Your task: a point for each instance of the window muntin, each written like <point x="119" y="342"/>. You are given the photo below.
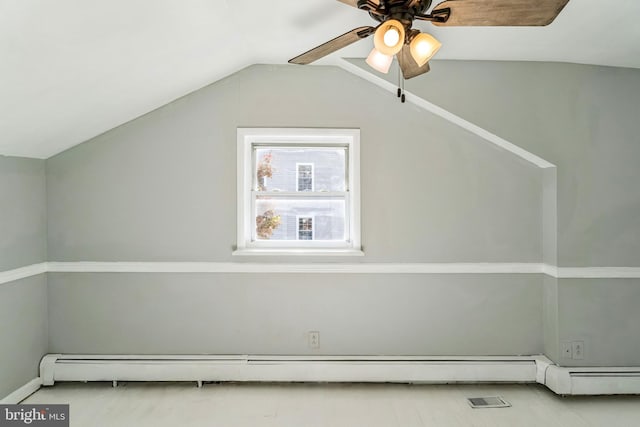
<point x="288" y="174"/>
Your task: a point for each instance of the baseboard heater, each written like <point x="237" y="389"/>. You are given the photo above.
<point x="58" y="367"/>
<point x="593" y="381"/>
<point x="375" y="369"/>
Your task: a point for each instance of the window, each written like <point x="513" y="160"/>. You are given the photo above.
<point x="305" y="227"/>
<point x="298" y="192"/>
<point x="304" y="173"/>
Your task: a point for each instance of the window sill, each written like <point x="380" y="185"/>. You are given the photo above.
<point x="298" y="252"/>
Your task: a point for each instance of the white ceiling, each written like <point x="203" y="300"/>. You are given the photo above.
<point x="72" y="69"/>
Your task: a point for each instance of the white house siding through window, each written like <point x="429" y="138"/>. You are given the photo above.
<point x="319" y="173"/>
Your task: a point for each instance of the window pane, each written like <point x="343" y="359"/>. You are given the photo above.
<point x="305" y="228"/>
<point x="278" y="169"/>
<point x="280" y="219"/>
<point x="305" y="177"/>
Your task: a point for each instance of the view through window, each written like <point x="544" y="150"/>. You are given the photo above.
<point x="300" y="192"/>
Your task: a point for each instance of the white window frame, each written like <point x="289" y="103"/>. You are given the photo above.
<point x="313" y="226"/>
<point x="246" y="139"/>
<point x="313" y="175"/>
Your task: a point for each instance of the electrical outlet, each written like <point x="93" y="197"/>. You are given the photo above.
<point x="314" y="339"/>
<point x="567" y="350"/>
<point x="577" y="348"/>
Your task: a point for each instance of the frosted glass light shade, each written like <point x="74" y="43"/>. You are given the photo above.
<point x="423" y="47"/>
<point x="389" y="37"/>
<point x="379" y="61"/>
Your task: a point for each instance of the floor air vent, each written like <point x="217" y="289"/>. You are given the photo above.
<point x="488" y="402"/>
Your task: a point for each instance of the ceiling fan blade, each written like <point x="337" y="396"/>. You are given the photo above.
<point x="499" y="13"/>
<point x="333" y="45"/>
<point x="408" y="65"/>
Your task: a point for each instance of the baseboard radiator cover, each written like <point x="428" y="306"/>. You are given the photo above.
<point x="593" y="381"/>
<point x="419" y="370"/>
<point x="362" y="369"/>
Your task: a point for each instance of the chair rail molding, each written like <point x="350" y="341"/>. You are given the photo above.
<point x="23" y="272"/>
<point x="321" y="268"/>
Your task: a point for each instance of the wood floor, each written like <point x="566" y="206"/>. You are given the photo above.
<point x="330" y="405"/>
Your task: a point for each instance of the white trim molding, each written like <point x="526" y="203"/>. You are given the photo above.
<point x="252" y="252"/>
<point x="597" y="272"/>
<point x="23" y="392"/>
<point x="23" y="272"/>
<point x="550" y="270"/>
<point x="239" y="267"/>
<point x="439" y="111"/>
<point x="338" y="268"/>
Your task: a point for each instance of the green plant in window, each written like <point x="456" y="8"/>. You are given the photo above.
<point x="264" y="171"/>
<point x="266" y="223"/>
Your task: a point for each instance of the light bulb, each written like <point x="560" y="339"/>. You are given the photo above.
<point x="391" y="37"/>
<point x="423" y="47"/>
<point x="379" y="61"/>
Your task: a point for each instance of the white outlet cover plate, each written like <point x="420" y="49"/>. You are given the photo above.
<point x="577" y="350"/>
<point x="314" y="339"/>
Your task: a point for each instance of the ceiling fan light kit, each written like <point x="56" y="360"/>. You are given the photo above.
<point x="389" y="37"/>
<point x="423" y="47"/>
<point x="414" y="49"/>
<point x="379" y="61"/>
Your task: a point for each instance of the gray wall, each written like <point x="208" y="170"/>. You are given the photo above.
<point x="271" y="314"/>
<point x="23" y="331"/>
<point x="162" y="188"/>
<point x="22" y="212"/>
<point x="550" y="318"/>
<point x="603" y="313"/>
<point x="23" y="303"/>
<point x="584" y="119"/>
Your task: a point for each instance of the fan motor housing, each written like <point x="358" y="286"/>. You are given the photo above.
<point x="401" y="10"/>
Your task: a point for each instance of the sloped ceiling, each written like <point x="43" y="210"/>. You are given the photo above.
<point x="72" y="69"/>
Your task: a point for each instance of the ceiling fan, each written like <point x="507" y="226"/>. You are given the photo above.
<point x="413" y="49"/>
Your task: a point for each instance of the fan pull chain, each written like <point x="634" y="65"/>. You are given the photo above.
<point x="400" y="85"/>
<point x="399" y="77"/>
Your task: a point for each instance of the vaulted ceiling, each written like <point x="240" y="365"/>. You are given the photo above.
<point x="72" y="69"/>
